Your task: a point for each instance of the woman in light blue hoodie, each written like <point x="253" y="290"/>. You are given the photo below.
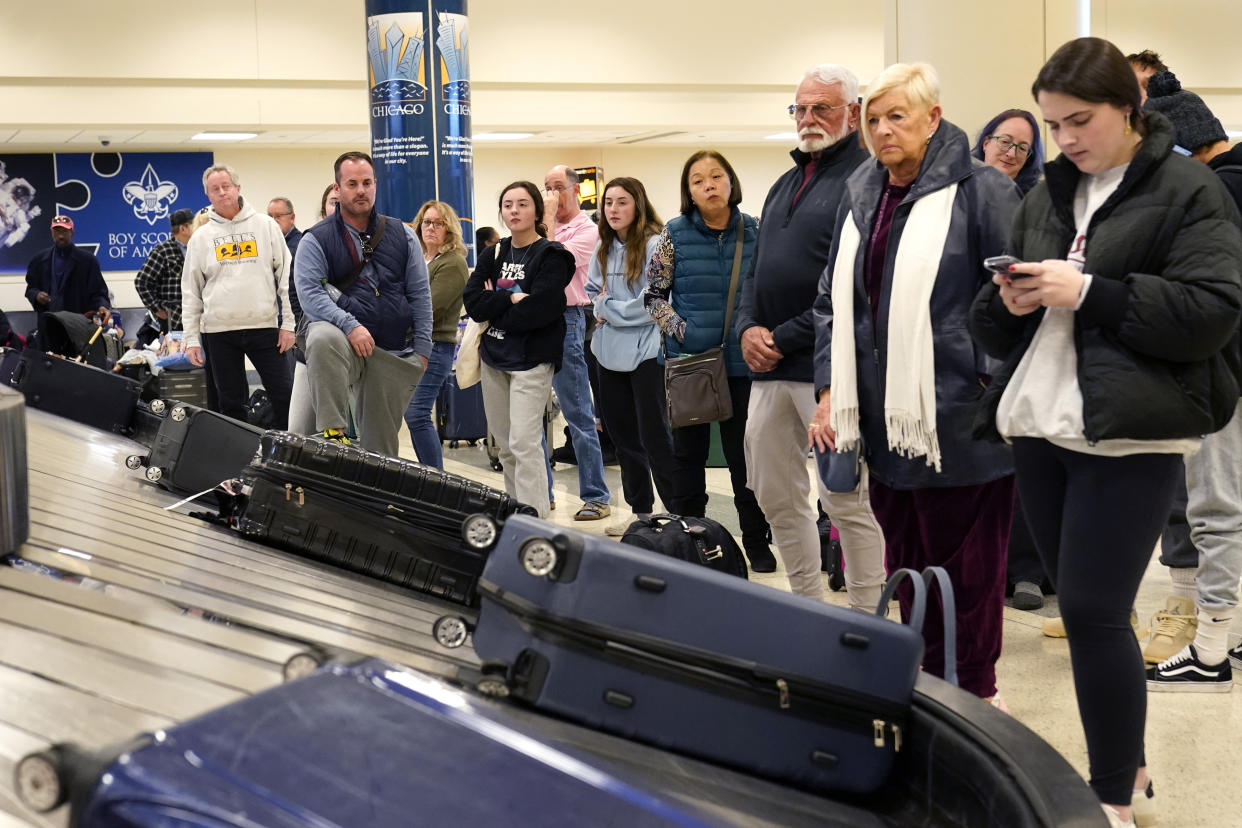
<point x="626" y="343"/>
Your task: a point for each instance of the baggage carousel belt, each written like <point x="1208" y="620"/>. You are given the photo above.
<point x="128" y="618"/>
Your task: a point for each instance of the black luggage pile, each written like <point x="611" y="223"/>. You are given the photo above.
<point x="411" y="525"/>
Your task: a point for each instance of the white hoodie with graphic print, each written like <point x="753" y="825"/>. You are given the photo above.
<point x="236" y="276"/>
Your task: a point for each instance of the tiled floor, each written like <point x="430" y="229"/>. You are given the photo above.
<point x="1194" y="741"/>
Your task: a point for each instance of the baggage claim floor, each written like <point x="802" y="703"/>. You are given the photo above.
<point x="173" y="617"/>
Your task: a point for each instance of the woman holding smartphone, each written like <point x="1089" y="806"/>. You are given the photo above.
<point x="1112" y="329"/>
<point x="518" y="289"/>
<point x="626" y="344"/>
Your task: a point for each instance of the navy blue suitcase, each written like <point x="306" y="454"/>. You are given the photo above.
<point x="459" y="413"/>
<point x="367" y="745"/>
<point x="691" y="659"/>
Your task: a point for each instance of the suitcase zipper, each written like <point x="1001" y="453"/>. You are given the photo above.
<point x="722" y="675"/>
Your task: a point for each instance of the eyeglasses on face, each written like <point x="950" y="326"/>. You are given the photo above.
<point x="1004" y="143"/>
<point x="278" y="215"/>
<point x="434" y="224"/>
<point x="819" y="110"/>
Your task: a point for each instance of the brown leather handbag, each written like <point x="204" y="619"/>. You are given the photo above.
<point x="697" y="386"/>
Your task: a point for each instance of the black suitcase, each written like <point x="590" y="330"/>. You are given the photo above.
<point x="408" y="524"/>
<point x="77" y="391"/>
<point x="186" y="386"/>
<point x="697" y="540"/>
<point x="8" y="362"/>
<point x="691" y="659"/>
<point x="195" y="449"/>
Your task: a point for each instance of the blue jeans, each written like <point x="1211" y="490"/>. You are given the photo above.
<point x="418" y="415"/>
<point x="573" y="390"/>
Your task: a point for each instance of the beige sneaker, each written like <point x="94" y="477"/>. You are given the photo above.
<point x="1055" y="627"/>
<point x="1172" y="628"/>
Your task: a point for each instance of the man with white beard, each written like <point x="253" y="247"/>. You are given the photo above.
<point x="778" y="342"/>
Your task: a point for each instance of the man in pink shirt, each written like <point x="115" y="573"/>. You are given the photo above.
<point x="571" y="227"/>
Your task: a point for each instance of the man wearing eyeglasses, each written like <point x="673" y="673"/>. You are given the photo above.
<point x="235" y="298"/>
<point x="363" y="285"/>
<point x="778" y="341"/>
<point x="65" y="277"/>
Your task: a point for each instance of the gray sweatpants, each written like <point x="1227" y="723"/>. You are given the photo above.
<point x="776" y="466"/>
<point x="382" y="385"/>
<point x="1214" y="512"/>
<point x="514" y="402"/>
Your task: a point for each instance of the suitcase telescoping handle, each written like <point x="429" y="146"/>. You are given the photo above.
<point x="921" y="584"/>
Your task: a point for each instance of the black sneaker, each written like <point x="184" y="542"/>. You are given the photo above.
<point x="761" y="558"/>
<point x="1235" y="657"/>
<point x="1185" y="673"/>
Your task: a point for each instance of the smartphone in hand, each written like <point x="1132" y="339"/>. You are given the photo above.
<point x="1000" y="264"/>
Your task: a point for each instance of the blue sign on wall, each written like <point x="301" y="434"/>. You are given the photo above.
<point x="418" y="64"/>
<point x="119" y="202"/>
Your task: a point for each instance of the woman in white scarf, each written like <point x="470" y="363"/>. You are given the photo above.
<point x="896" y="370"/>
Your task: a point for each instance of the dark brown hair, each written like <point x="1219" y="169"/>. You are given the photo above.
<point x="735" y="186"/>
<point x="350" y="156"/>
<point x="1148" y="60"/>
<point x="646" y="224"/>
<point x="1093" y="70"/>
<point x="535" y="196"/>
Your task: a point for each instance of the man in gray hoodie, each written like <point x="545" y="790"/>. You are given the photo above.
<point x="235" y="298"/>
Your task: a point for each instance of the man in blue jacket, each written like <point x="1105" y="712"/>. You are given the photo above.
<point x="363" y="284"/>
<point x="777" y="336"/>
<point x="66" y="277"/>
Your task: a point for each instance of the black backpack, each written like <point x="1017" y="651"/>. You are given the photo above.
<point x="697" y="540"/>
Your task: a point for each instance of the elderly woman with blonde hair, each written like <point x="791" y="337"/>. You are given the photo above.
<point x="897" y="375"/>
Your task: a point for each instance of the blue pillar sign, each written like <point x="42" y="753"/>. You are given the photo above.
<point x="419" y="74"/>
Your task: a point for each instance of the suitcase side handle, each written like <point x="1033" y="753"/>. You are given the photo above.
<point x="920" y="595"/>
<point x="20" y="370"/>
<point x="949" y="610"/>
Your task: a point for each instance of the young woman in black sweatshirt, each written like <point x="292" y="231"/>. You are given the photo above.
<point x="518" y="289"/>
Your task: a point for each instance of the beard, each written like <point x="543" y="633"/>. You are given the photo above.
<point x="813" y="139"/>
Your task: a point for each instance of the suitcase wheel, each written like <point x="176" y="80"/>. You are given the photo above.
<point x="158" y="407"/>
<point x="494" y="682"/>
<point x="538" y="557"/>
<point x="154" y="473"/>
<point x="450" y="631"/>
<point x="479" y="532"/>
<point x="178" y="413"/>
<point x="497" y="466"/>
<point x="302" y="664"/>
<point x="39" y="781"/>
<point x="452" y="444"/>
<point x="135" y="462"/>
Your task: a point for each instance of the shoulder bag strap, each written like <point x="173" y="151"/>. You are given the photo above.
<point x="737" y="269"/>
<point x="375" y="240"/>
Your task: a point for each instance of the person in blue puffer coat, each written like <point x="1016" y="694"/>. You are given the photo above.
<point x="626" y="344"/>
<point x="687" y="295"/>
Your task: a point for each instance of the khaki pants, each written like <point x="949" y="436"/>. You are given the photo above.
<point x="776" y="463"/>
<point x="514" y="402"/>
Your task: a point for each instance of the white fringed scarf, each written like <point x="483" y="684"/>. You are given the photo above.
<point x="910" y="378"/>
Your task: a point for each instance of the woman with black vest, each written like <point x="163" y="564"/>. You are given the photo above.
<point x="1112" y="329"/>
<point x="687" y="294"/>
<point x="518" y="289"/>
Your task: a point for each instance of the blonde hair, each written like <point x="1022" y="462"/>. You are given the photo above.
<point x="918" y="81"/>
<point x="201" y="218"/>
<point x="453" y="242"/>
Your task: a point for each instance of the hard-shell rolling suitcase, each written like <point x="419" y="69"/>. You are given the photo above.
<point x="365" y="745"/>
<point x="195" y="449"/>
<point x="459" y="413"/>
<point x="408" y="524"/>
<point x="77" y="391"/>
<point x="692" y="659"/>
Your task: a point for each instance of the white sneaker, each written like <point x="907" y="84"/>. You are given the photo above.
<point x="1143" y="806"/>
<point x="1115" y="821"/>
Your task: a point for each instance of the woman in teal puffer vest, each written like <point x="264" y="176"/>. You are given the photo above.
<point x="687" y="295"/>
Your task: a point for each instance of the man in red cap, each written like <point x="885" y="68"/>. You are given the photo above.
<point x="65" y="277"/>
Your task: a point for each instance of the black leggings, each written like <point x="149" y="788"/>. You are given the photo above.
<point x="1095" y="521"/>
<point x="632" y="406"/>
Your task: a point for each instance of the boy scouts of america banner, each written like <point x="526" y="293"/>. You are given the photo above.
<point x="119" y="202"/>
<point x="419" y="74"/>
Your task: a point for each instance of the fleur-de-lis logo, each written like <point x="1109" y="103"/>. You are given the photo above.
<point x="150" y="197"/>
